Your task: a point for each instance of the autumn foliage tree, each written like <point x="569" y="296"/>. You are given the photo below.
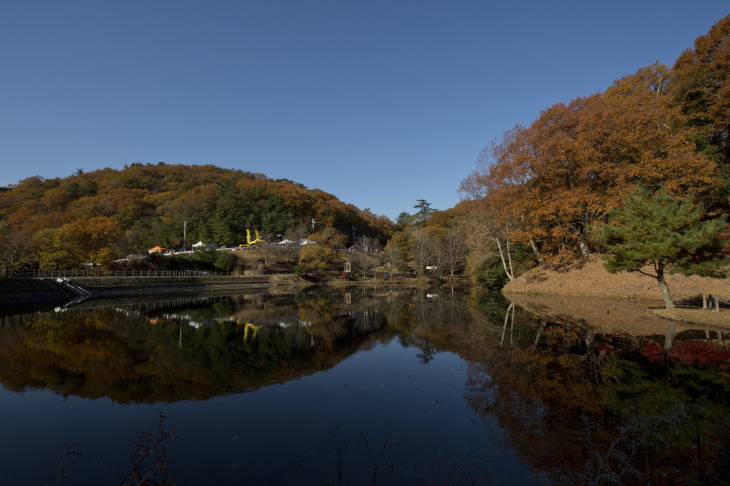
<point x="320" y="250"/>
<point x="578" y="161"/>
<point x="14" y="249"/>
<point x="546" y="185"/>
<point x="88" y="240"/>
<point x="701" y="85"/>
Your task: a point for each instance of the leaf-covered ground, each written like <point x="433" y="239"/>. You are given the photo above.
<point x="590" y="279"/>
<point x="587" y="291"/>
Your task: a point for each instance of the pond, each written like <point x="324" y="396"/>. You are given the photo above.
<point x="354" y="386"/>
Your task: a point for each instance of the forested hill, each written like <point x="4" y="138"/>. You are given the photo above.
<point x="109" y="213"/>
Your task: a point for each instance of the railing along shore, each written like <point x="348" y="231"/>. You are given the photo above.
<point x="98" y="273"/>
<point x="80" y="273"/>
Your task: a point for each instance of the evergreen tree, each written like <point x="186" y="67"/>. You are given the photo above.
<point x="402" y="221"/>
<point x="424" y="211"/>
<point x="660" y="231"/>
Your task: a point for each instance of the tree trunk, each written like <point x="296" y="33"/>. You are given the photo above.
<point x="509" y="259"/>
<point x="668" y="302"/>
<point x="510" y="309"/>
<point x="669" y="339"/>
<point x="585" y="250"/>
<point x="591" y="354"/>
<point x="535" y="249"/>
<point x="543" y="325"/>
<point x="507" y="270"/>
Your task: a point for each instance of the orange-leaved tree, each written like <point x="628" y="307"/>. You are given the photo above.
<point x="552" y="181"/>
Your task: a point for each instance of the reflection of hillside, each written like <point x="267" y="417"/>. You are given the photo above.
<point x="198" y="347"/>
<point x="143" y="353"/>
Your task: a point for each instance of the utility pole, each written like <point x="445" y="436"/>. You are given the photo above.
<point x="185" y="234"/>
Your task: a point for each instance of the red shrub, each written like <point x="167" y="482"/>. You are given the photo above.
<point x="689" y="353"/>
<point x="652" y="352"/>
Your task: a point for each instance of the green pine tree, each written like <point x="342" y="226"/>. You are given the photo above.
<point x="660" y="231"/>
<point x="424" y="211"/>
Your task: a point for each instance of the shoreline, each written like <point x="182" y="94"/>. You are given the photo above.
<point x="20" y="292"/>
<point x="17" y="292"/>
<point x="589" y="278"/>
<point x="589" y="281"/>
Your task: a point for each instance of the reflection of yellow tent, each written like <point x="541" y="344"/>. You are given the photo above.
<point x="247" y="326"/>
<point x="157" y="248"/>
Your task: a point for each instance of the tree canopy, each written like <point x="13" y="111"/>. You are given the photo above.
<point x="548" y="184"/>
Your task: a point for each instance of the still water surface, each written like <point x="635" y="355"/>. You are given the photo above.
<point x="348" y="387"/>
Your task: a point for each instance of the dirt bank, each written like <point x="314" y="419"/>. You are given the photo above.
<point x="616" y="302"/>
<point x="590" y="279"/>
<point x="631" y="317"/>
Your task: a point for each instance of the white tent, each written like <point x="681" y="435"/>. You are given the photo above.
<point x="202" y="246"/>
<point x="285" y="242"/>
<point x="308" y="242"/>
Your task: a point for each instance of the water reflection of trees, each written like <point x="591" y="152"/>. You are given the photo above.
<point x="589" y="408"/>
<point x="445" y="320"/>
<point x="146" y="353"/>
<point x="196" y="348"/>
<point x="537" y="399"/>
<point x="568" y="399"/>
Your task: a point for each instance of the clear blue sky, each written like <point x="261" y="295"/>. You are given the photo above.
<point x="379" y="102"/>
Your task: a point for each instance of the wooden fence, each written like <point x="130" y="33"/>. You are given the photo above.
<point x="78" y="273"/>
